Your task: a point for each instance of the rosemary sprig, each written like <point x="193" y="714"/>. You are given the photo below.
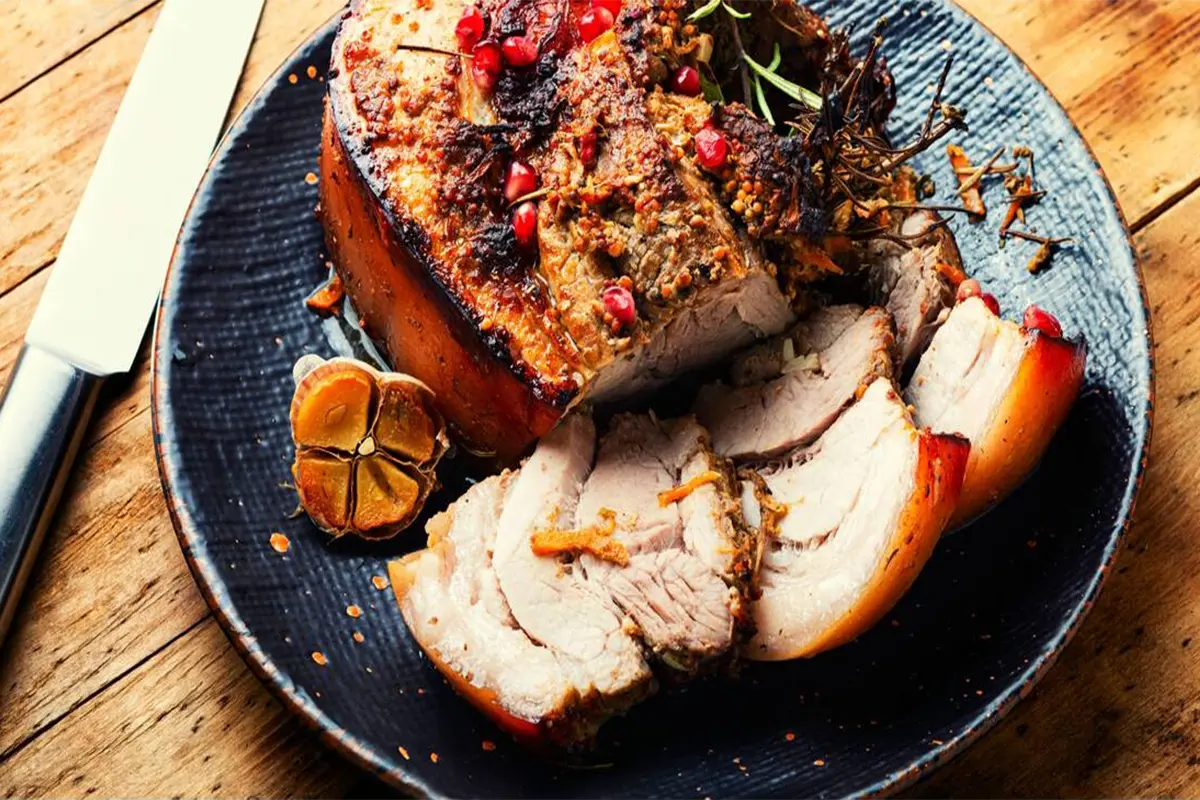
<point x="776" y="59"/>
<point x="792" y="90"/>
<point x="735" y="13"/>
<point x="704" y="10"/>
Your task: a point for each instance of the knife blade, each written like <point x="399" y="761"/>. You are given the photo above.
<point x="103" y="286"/>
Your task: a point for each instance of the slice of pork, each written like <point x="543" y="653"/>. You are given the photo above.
<point x="549" y="598"/>
<point x="1003" y="387"/>
<point x="916" y="283"/>
<point x="825" y="363"/>
<point x="684" y="581"/>
<point x="452" y="603"/>
<point x="861" y="511"/>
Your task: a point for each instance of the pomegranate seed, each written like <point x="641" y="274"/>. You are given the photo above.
<point x="485" y="65"/>
<point x="991" y="302"/>
<point x="524" y="222"/>
<point x="520" y="181"/>
<point x="968" y="289"/>
<point x="611" y="6"/>
<point x="588" y="149"/>
<point x="618" y="301"/>
<point x="1041" y="320"/>
<point x="595" y="22"/>
<point x="711" y="148"/>
<point x="469" y="29"/>
<point x="686" y="80"/>
<point x="519" y="51"/>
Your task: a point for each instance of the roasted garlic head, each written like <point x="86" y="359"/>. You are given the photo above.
<point x="367" y="444"/>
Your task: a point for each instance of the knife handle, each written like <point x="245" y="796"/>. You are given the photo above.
<point x="43" y="413"/>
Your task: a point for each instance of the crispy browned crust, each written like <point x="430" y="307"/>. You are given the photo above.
<point x="1037" y="402"/>
<point x="421" y="327"/>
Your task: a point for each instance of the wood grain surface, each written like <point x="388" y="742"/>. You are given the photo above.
<point x="117" y="680"/>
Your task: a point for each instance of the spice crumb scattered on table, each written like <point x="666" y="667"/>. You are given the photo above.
<point x="353" y="611"/>
<point x="433" y="757"/>
<point x="404" y="753"/>
<point x="311" y="178"/>
<point x="820" y="762"/>
<point x="319" y="658"/>
<point x="311" y="71"/>
<point x="279" y="542"/>
<point x="358" y="637"/>
<point x="488" y="745"/>
<point x="379" y="582"/>
<point x="292" y="78"/>
<point x="791" y="737"/>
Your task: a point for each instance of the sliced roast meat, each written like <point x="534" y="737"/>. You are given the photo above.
<point x="917" y="282"/>
<point x="1004" y="387"/>
<point x="858" y="515"/>
<point x="816" y="370"/>
<point x="511" y="332"/>
<point x="452" y="603"/>
<point x="548" y="598"/>
<point x="673" y="510"/>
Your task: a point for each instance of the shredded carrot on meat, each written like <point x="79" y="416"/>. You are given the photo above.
<point x="594" y="539"/>
<point x="679" y="492"/>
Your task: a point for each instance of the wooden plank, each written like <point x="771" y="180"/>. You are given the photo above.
<point x="194" y="724"/>
<point x="1118" y="716"/>
<point x="1126" y="74"/>
<point x="112" y="548"/>
<point x="39" y="35"/>
<point x="51" y="132"/>
<point x="112" y="587"/>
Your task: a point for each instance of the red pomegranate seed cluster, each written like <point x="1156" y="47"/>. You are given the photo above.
<point x="519" y="51"/>
<point x="686" y="80"/>
<point x="588" y="149"/>
<point x="485" y="65"/>
<point x="469" y="29"/>
<point x="594" y="22"/>
<point x="1041" y="320"/>
<point x="711" y="148"/>
<point x="524" y="222"/>
<point x="618" y="301"/>
<point x="519" y="181"/>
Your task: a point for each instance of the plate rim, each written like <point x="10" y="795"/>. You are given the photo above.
<point x="366" y="756"/>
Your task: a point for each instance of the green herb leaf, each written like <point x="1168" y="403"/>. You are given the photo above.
<point x="762" y="102"/>
<point x="709" y="88"/>
<point x="704" y="10"/>
<point x="792" y="90"/>
<point x="776" y="58"/>
<point x="735" y="14"/>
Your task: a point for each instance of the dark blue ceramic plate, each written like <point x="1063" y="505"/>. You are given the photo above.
<point x="986" y="618"/>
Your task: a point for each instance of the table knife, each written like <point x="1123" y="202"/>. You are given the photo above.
<point x="103" y="286"/>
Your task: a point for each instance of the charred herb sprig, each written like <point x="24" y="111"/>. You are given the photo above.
<point x="851" y="155"/>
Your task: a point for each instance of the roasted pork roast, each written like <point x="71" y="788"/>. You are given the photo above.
<point x="786" y="392"/>
<point x="851" y="520"/>
<point x="1005" y="387"/>
<point x="633" y="270"/>
<point x="589" y="571"/>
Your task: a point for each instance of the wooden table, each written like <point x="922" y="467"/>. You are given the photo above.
<point x="116" y="679"/>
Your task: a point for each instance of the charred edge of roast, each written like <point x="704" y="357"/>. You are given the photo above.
<point x="390" y="245"/>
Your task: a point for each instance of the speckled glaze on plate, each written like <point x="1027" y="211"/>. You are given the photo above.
<point x="987" y="617"/>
